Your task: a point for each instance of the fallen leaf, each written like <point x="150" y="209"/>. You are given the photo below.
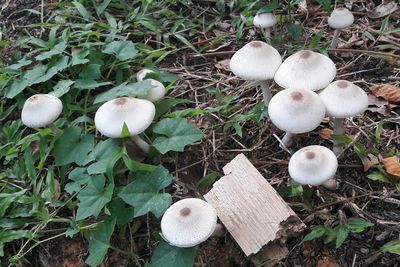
<point x="272" y="254"/>
<point x="376" y="101"/>
<point x="387" y="91"/>
<point x="369" y="161"/>
<point x="392" y="165"/>
<point x="326" y="134"/>
<point x="327" y="262"/>
<point x="383" y="10"/>
<point x="223" y="64"/>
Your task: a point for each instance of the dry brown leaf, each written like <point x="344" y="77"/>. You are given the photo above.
<point x="327" y="262"/>
<point x="369" y="161"/>
<point x="383" y="10"/>
<point x="326" y="133"/>
<point x="392" y="165"/>
<point x="387" y="91"/>
<point x="273" y="253"/>
<point x="223" y="64"/>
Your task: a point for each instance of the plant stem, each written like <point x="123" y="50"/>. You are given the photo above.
<point x="338" y="129"/>
<point x="143" y="145"/>
<point x="287" y="139"/>
<point x="335" y="38"/>
<point x="266" y="92"/>
<point x="267" y="34"/>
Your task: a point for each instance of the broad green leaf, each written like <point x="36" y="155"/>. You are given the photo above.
<point x="6" y="199"/>
<point x="143" y="192"/>
<point x="90" y="72"/>
<point x="124" y="214"/>
<point x="94" y="197"/>
<point x="61" y="64"/>
<point x="80" y="58"/>
<point x="125" y="89"/>
<point x="122" y="50"/>
<point x="166" y="255"/>
<point x="326" y="4"/>
<point x="79" y="177"/>
<point x="89" y="84"/>
<point x="103" y="6"/>
<point x="82" y="10"/>
<point x="341" y="235"/>
<point x="166" y="104"/>
<point x="392" y="247"/>
<point x="72" y="147"/>
<point x="357" y="225"/>
<point x="15" y="68"/>
<point x="56" y="50"/>
<point x="137" y="166"/>
<point x="11" y="235"/>
<point x="27" y="79"/>
<point x="99" y="242"/>
<point x="316" y="232"/>
<point x="316" y="39"/>
<point x="61" y="88"/>
<point x="379" y="176"/>
<point x="270" y="7"/>
<point x="102" y="154"/>
<point x="207" y="180"/>
<point x="177" y="133"/>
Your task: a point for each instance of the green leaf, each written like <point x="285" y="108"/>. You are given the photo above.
<point x="316" y="39"/>
<point x="61" y="88"/>
<point x="94" y="197"/>
<point x="123" y="213"/>
<point x="166" y="255"/>
<point x="82" y="10"/>
<point x="341" y="235"/>
<point x="72" y="147"/>
<point x="89" y="84"/>
<point x="326" y="4"/>
<point x="79" y="177"/>
<point x="185" y="41"/>
<point x="122" y="50"/>
<point x="6" y="199"/>
<point x="27" y="79"/>
<point x="357" y="225"/>
<point x="102" y="154"/>
<point x="80" y="58"/>
<point x="90" y="72"/>
<point x="7" y="236"/>
<point x="166" y="104"/>
<point x="392" y="247"/>
<point x="269" y="8"/>
<point x="99" y="242"/>
<point x="379" y="176"/>
<point x="143" y="192"/>
<point x="56" y="50"/>
<point x="316" y="232"/>
<point x="207" y="180"/>
<point x="137" y="89"/>
<point x="177" y="133"/>
<point x="137" y="166"/>
<point x="295" y="31"/>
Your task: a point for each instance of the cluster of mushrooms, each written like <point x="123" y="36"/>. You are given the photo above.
<point x="42" y="110"/>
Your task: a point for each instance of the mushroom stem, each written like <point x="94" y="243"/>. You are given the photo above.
<point x="266" y="92"/>
<point x="219" y="230"/>
<point x="338" y="129"/>
<point x="54" y="128"/>
<point x="143" y="145"/>
<point x="331" y="184"/>
<point x="287" y="139"/>
<point x="335" y="38"/>
<point x="267" y="34"/>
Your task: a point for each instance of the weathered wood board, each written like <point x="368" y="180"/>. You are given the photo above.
<point x="250" y="208"/>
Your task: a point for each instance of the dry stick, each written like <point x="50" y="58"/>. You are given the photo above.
<point x="347" y="199"/>
<point x="347" y="50"/>
<point x="335" y="38"/>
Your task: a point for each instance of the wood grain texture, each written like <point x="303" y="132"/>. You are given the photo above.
<point x="250" y="208"/>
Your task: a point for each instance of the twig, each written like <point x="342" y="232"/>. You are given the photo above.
<point x="347" y="50"/>
<point x="213" y="54"/>
<point x="347" y="199"/>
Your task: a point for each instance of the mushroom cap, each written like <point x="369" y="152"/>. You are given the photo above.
<point x="296" y="110"/>
<point x="157" y="92"/>
<point x="306" y="70"/>
<point x="137" y="114"/>
<point x="313" y="165"/>
<point x="142" y="74"/>
<point x="41" y="110"/>
<point x="264" y="20"/>
<point x="255" y="61"/>
<point x="344" y="99"/>
<point x="340" y="18"/>
<point x="188" y="222"/>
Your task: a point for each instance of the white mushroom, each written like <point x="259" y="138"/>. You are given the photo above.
<point x="257" y="61"/>
<point x="188" y="222"/>
<point x="142" y="74"/>
<point x="306" y="70"/>
<point x="314" y="165"/>
<point x="157" y="92"/>
<point x="137" y="114"/>
<point x="340" y="18"/>
<point x="343" y="99"/>
<point x="296" y="111"/>
<point x="41" y="110"/>
<point x="265" y="21"/>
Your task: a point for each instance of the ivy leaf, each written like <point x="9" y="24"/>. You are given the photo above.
<point x="79" y="177"/>
<point x="124" y="214"/>
<point x="56" y="50"/>
<point x="11" y="235"/>
<point x="62" y="87"/>
<point x="316" y="232"/>
<point x="25" y="80"/>
<point x="122" y="50"/>
<point x="99" y="242"/>
<point x="143" y="193"/>
<point x="102" y="154"/>
<point x="72" y="147"/>
<point x="166" y="255"/>
<point x="90" y="72"/>
<point x="392" y="247"/>
<point x="80" y="58"/>
<point x="94" y="197"/>
<point x="125" y="89"/>
<point x="177" y="133"/>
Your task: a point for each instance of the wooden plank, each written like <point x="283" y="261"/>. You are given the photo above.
<point x="250" y="208"/>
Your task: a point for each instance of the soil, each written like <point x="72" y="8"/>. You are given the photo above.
<point x="357" y="196"/>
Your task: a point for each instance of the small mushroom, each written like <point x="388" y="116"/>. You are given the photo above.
<point x="265" y="21"/>
<point x="314" y="165"/>
<point x="339" y="19"/>
<point x="189" y="222"/>
<point x="343" y="99"/>
<point x="157" y="92"/>
<point x="137" y="114"/>
<point x="257" y="61"/>
<point x="296" y="111"/>
<point x="306" y="70"/>
<point x="41" y="110"/>
<point x="142" y="74"/>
